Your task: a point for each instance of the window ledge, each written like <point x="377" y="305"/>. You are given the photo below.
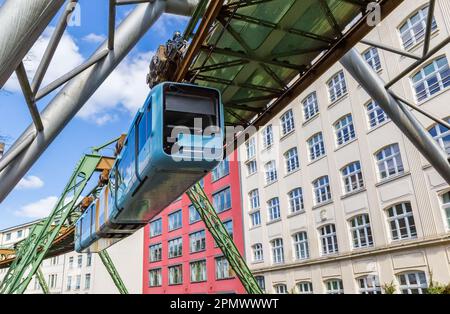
<point x="322" y="204"/>
<point x="271" y="183"/>
<point x="273" y="221"/>
<point x="296" y="213"/>
<point x="337" y="101"/>
<point x="252" y="174"/>
<point x="254" y="210"/>
<point x="346" y="144"/>
<point x="352" y="193"/>
<point x="316" y="160"/>
<point x="394" y="178"/>
<point x="267" y="148"/>
<point x="287" y="135"/>
<point x="250" y="159"/>
<point x="257" y="262"/>
<point x="292" y="172"/>
<point x="254" y="228"/>
<point x="378" y="126"/>
<point x="312" y="118"/>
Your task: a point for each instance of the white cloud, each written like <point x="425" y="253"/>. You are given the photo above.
<point x="167" y="23"/>
<point x="30" y="182"/>
<point x="94" y="38"/>
<point x="38" y="209"/>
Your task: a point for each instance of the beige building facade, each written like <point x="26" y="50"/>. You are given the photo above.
<point x="336" y="198"/>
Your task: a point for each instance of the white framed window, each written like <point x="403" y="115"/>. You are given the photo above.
<point x="445" y="201"/>
<point x="322" y="190"/>
<point x="267" y="136"/>
<point x="328" y="238"/>
<point x="198" y="271"/>
<point x="77" y="282"/>
<point x="287" y="122"/>
<point x="175" y="220"/>
<point x="352" y="177"/>
<point x="194" y="216"/>
<point x="273" y="207"/>
<point x="176" y="275"/>
<point x="431" y="79"/>
<point x="291" y="159"/>
<point x="277" y="251"/>
<point x="280" y="289"/>
<point x="361" y="231"/>
<point x="223" y="269"/>
<point x="316" y="146"/>
<point x="271" y="172"/>
<point x="255" y="218"/>
<point x="260" y="280"/>
<point x="253" y="196"/>
<point x="413" y="282"/>
<point x="296" y="203"/>
<point x="156" y="227"/>
<point x="250" y="147"/>
<point x="412" y="31"/>
<point x="197" y="241"/>
<point x="258" y="254"/>
<point x="310" y="106"/>
<point x="337" y="87"/>
<point x="389" y="161"/>
<point x="375" y="114"/>
<point x="175" y="247"/>
<point x="345" y="131"/>
<point x="372" y="58"/>
<point x="401" y="221"/>
<point x="441" y="135"/>
<point x="334" y="286"/>
<point x="156" y="252"/>
<point x="154" y="277"/>
<point x="68" y="283"/>
<point x="301" y="247"/>
<point x="252" y="167"/>
<point x="305" y="287"/>
<point x="369" y="284"/>
<point x="87" y="281"/>
<point x="221" y="170"/>
<point x="222" y="200"/>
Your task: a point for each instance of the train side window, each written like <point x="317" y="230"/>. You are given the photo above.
<point x="142" y="131"/>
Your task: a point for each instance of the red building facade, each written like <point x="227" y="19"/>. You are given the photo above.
<point x="180" y="255"/>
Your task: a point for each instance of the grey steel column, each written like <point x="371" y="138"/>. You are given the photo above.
<point x="74" y="95"/>
<point x="399" y="114"/>
<point x="21" y="24"/>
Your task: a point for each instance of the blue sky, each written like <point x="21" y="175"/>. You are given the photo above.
<point x="104" y="117"/>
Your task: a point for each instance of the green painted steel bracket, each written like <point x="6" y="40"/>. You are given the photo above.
<point x="220" y="234"/>
<point x="33" y="250"/>
<point x="42" y="283"/>
<point x="106" y="259"/>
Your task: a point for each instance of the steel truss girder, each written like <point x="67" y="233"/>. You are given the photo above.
<point x="223" y="239"/>
<point x="64" y="106"/>
<point x="33" y="250"/>
<point x="112" y="271"/>
<point x="41" y="279"/>
<point x="242" y="85"/>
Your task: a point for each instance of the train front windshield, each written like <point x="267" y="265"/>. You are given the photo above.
<point x="191" y="107"/>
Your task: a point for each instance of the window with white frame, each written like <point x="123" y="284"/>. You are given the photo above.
<point x="334" y="286"/>
<point x="87" y="281"/>
<point x="328" y="238"/>
<point x="291" y="159"/>
<point x="431" y="79"/>
<point x="369" y="285"/>
<point x="277" y="251"/>
<point x="78" y="282"/>
<point x="345" y="131"/>
<point x="337" y="87"/>
<point x="301" y="248"/>
<point x="352" y="177"/>
<point x="305" y="287"/>
<point x="198" y="271"/>
<point x="175" y="220"/>
<point x="316" y="146"/>
<point x="267" y="136"/>
<point x="375" y="114"/>
<point x="255" y="218"/>
<point x="175" y="275"/>
<point x="413" y="282"/>
<point x="280" y="289"/>
<point x="221" y="170"/>
<point x="155" y="277"/>
<point x="296" y="203"/>
<point x="389" y="161"/>
<point x="156" y="252"/>
<point x="287" y="122"/>
<point x="445" y="200"/>
<point x="222" y="200"/>
<point x="372" y="58"/>
<point x="252" y="167"/>
<point x="197" y="241"/>
<point x="175" y="247"/>
<point x="271" y="172"/>
<point x="401" y="221"/>
<point x="441" y="135"/>
<point x="250" y="147"/>
<point x="361" y="231"/>
<point x="223" y="269"/>
<point x="253" y="196"/>
<point x="322" y="190"/>
<point x="273" y="207"/>
<point x="412" y="31"/>
<point x="260" y="280"/>
<point x="156" y="227"/>
<point x="310" y="106"/>
<point x="194" y="216"/>
<point x="258" y="254"/>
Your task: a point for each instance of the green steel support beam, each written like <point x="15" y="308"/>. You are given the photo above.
<point x="33" y="250"/>
<point x="106" y="259"/>
<point x="40" y="277"/>
<point x="220" y="234"/>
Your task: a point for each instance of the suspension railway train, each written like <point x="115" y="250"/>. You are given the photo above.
<point x="157" y="163"/>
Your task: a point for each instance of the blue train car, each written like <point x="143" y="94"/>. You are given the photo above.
<point x="175" y="139"/>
